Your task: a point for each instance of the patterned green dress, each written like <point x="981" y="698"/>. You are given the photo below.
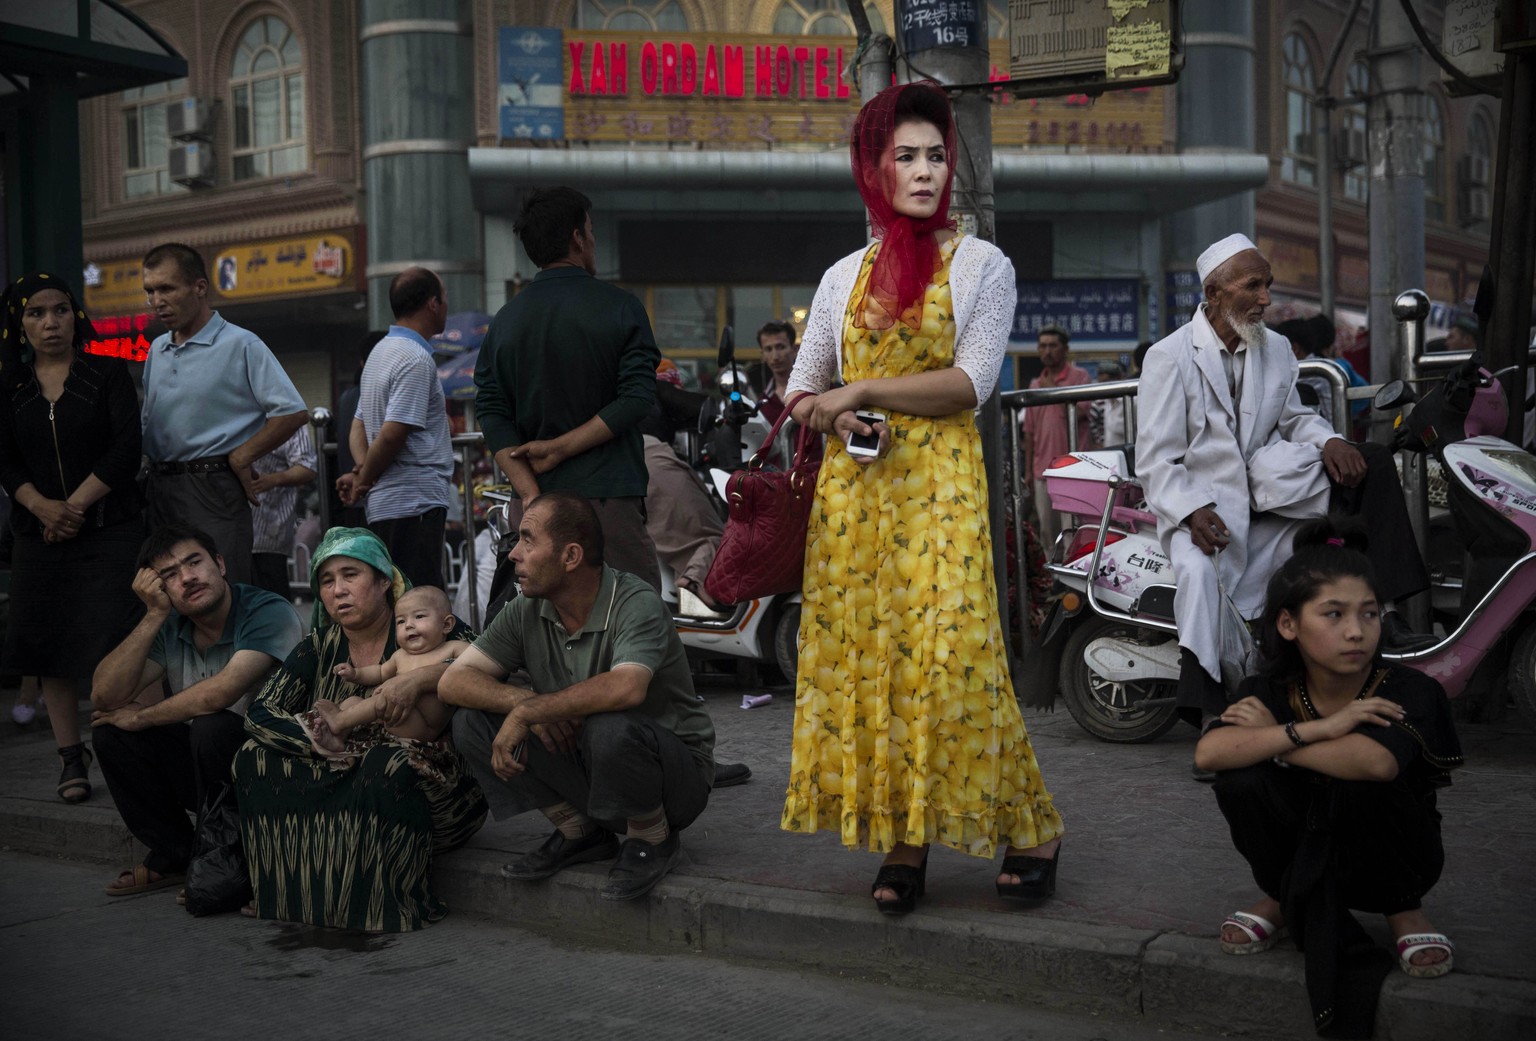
<point x="346" y="842"/>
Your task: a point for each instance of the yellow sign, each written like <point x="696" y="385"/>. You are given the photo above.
<point x="1112" y="39"/>
<point x="280" y="267"/>
<point x="115" y="287"/>
<point x="728" y="91"/>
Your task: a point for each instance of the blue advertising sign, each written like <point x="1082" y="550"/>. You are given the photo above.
<point x="529" y="88"/>
<point x="1100" y="311"/>
<point x="926" y="24"/>
<point x="1184" y="296"/>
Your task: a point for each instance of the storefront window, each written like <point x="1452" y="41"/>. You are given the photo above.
<point x="684" y="317"/>
<point x="821" y="18"/>
<point x="1357" y="183"/>
<point x="1299" y="162"/>
<point x="145" y="143"/>
<point x="639" y="15"/>
<point x="267" y="93"/>
<point x="1434" y="159"/>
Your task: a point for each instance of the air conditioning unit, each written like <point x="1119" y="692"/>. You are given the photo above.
<point x="1476" y="205"/>
<point x="1475" y="171"/>
<point x="1304" y="144"/>
<point x="189" y="117"/>
<point x="191" y="162"/>
<point x="1349" y="148"/>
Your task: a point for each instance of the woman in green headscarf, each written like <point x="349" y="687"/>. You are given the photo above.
<point x="348" y="843"/>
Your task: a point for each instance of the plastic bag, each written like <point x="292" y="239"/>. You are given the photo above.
<point x="217" y="879"/>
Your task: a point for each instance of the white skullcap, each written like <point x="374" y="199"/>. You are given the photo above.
<point x="1221" y="252"/>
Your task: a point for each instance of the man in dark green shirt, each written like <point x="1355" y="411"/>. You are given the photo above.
<point x="611" y="738"/>
<point x="565" y="375"/>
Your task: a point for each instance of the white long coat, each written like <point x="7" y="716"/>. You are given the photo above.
<point x="1259" y="464"/>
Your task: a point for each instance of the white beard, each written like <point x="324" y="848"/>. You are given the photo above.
<point x="1251" y="333"/>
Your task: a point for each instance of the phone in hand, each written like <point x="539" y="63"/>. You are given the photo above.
<point x="866" y="445"/>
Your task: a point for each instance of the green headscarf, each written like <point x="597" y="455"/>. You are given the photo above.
<point x="359" y="544"/>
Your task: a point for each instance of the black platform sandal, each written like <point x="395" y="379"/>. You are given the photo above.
<point x="75" y="780"/>
<point x="906" y="881"/>
<point x="1037" y="879"/>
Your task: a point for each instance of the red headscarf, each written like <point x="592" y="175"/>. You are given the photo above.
<point x="909" y="253"/>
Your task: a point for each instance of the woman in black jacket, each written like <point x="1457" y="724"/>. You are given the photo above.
<point x="69" y="455"/>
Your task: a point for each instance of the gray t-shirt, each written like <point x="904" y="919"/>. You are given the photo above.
<point x="400" y="385"/>
<point x="629" y="625"/>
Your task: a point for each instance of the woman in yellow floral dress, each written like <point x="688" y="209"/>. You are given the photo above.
<point x="907" y="731"/>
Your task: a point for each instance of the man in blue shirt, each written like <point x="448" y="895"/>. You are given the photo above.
<point x="215" y="400"/>
<point x="211" y="644"/>
<point x="400" y="437"/>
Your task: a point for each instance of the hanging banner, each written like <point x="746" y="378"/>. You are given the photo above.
<point x="529" y="84"/>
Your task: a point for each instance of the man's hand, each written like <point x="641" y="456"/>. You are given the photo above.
<point x="1207" y="530"/>
<point x="1344" y="462"/>
<point x="1249" y="712"/>
<point x="264" y="483"/>
<point x="349" y="489"/>
<point x="151" y="589"/>
<point x="129" y="717"/>
<point x="397" y="697"/>
<point x="560" y="736"/>
<point x="246" y="475"/>
<point x="541" y="456"/>
<point x="507" y="752"/>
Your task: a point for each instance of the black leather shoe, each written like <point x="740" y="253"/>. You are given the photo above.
<point x="1037" y="879"/>
<point x="1397" y="638"/>
<point x="728" y="775"/>
<point x="1202" y="775"/>
<point x="559" y="852"/>
<point x="641" y="865"/>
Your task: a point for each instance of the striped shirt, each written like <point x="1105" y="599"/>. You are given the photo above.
<point x="273" y="517"/>
<point x="400" y="385"/>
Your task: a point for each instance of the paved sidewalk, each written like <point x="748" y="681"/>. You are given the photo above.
<point x="1147" y="874"/>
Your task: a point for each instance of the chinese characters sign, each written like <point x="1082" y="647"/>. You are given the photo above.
<point x="926" y="24"/>
<point x="1092" y="310"/>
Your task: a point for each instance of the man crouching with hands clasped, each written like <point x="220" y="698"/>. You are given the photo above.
<point x="612" y="738"/>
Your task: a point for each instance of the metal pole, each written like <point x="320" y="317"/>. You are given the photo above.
<point x="1410" y="309"/>
<point x="1325" y="206"/>
<point x="1514" y="219"/>
<point x="320" y="420"/>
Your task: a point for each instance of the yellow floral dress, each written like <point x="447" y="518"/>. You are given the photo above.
<point x="906" y="727"/>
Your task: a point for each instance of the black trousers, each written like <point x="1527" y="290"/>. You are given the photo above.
<point x="158" y="776"/>
<point x="624" y="766"/>
<point x="415" y="545"/>
<point x="1378" y="500"/>
<point x="269" y="571"/>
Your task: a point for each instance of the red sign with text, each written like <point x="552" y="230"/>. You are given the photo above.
<point x="124" y="336"/>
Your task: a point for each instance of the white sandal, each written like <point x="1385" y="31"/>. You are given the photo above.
<point x="1413" y="943"/>
<point x="1261" y="932"/>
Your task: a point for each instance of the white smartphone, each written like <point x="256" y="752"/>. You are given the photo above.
<point x="867" y="445"/>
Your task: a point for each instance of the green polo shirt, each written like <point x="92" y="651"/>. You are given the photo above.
<point x="629" y="625"/>
<point x="258" y="621"/>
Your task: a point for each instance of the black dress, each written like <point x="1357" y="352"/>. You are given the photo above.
<point x="1322" y="846"/>
<point x="72" y="601"/>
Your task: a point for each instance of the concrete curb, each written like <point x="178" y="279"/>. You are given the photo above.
<point x="1165" y="980"/>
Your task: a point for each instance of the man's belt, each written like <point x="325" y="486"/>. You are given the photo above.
<point x="211" y="464"/>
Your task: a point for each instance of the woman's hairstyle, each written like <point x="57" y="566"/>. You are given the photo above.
<point x="546" y="221"/>
<point x="15" y="351"/>
<point x="1326" y="550"/>
<point x="909" y="253"/>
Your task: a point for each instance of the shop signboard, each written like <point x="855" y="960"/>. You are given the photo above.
<point x="738" y="90"/>
<point x="285" y="267"/>
<point x="1097" y="312"/>
<point x="1106" y="41"/>
<point x="114" y="287"/>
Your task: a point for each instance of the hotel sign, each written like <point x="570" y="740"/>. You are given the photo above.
<point x="733" y="91"/>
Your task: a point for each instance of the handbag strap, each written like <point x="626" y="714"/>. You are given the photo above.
<point x="758" y="456"/>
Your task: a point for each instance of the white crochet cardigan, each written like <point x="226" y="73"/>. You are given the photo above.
<point x="982" y="291"/>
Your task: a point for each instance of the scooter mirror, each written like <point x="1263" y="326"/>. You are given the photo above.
<point x="1393" y="394"/>
<point x="727" y="353"/>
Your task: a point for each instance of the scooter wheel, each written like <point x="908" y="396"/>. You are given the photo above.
<point x="1521" y="675"/>
<point x="1107" y="709"/>
<point x="786" y="641"/>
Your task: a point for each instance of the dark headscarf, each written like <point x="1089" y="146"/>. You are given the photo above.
<point x="908" y="255"/>
<point x="15" y="351"/>
<point x="359" y="544"/>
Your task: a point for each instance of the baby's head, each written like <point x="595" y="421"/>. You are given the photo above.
<point x="423" y="619"/>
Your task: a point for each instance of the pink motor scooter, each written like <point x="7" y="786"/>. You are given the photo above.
<point x="1120" y="662"/>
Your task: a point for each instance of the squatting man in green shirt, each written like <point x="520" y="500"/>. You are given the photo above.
<point x="611" y="739"/>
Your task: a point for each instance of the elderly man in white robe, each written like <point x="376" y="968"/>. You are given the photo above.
<point x="1232" y="463"/>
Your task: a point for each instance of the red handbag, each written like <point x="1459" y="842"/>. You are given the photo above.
<point x="762" y="552"/>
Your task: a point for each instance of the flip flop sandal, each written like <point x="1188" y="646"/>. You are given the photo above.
<point x="140" y="881"/>
<point x="1413" y="943"/>
<point x="249" y="911"/>
<point x="181" y="897"/>
<point x="75" y="779"/>
<point x="1261" y="932"/>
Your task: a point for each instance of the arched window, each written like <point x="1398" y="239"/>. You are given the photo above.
<point x="1357" y="182"/>
<point x="266" y="86"/>
<point x="1434" y="159"/>
<point x="821" y="18"/>
<point x="997" y="21"/>
<point x="145" y="142"/>
<point x="642" y="15"/>
<point x="1299" y="161"/>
